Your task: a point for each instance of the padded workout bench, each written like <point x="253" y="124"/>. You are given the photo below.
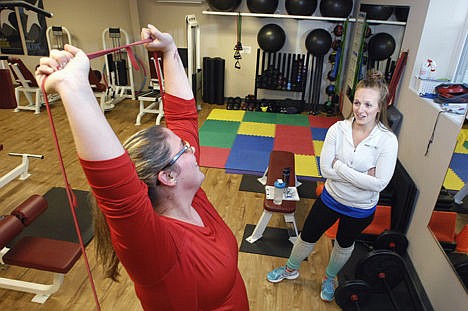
<point x="39" y="253"/>
<point x="155" y="106"/>
<point x="278" y="161"/>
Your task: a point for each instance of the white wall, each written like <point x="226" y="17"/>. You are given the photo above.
<point x="443" y="36"/>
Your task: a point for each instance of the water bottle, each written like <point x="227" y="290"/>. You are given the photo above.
<point x="278" y="192"/>
<point x="286" y="172"/>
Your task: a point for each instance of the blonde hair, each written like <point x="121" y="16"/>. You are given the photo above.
<point x="375" y="80"/>
<point x="150" y="153"/>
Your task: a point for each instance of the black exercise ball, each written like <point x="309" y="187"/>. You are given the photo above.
<point x="318" y="42"/>
<point x="262" y="6"/>
<point x="381" y="46"/>
<point x="377" y="12"/>
<point x="301" y="7"/>
<point x="401" y="13"/>
<point x="224" y="5"/>
<point x="271" y="38"/>
<point x="336" y="8"/>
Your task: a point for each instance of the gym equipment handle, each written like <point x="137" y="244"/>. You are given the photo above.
<point x="39" y="156"/>
<point x="26" y="5"/>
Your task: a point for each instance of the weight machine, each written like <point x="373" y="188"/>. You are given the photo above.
<point x="119" y="75"/>
<point x="57" y="37"/>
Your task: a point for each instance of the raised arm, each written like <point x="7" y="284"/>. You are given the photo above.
<point x="179" y="105"/>
<point x="175" y="78"/>
<point x="67" y="73"/>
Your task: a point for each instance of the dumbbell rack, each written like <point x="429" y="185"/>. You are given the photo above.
<point x="281" y="72"/>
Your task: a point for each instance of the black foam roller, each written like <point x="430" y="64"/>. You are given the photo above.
<point x="218" y="80"/>
<point x="205" y="79"/>
<point x="210" y="87"/>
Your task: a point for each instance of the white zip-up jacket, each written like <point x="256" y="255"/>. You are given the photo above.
<point x="347" y="179"/>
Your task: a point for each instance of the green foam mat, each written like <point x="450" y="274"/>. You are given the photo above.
<point x="221" y="134"/>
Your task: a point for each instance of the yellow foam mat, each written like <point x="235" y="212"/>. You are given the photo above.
<point x="461" y="139"/>
<point x="452" y="181"/>
<point x="226" y="115"/>
<point x="257" y="129"/>
<point x="306" y="165"/>
<point x="318" y="144"/>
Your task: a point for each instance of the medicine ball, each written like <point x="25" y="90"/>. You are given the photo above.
<point x="318" y="42"/>
<point x="262" y="6"/>
<point x="330" y="90"/>
<point x="338" y="30"/>
<point x="381" y="46"/>
<point x="331" y="75"/>
<point x="377" y="12"/>
<point x="336" y="8"/>
<point x="271" y="38"/>
<point x="223" y="5"/>
<point x="301" y="7"/>
<point x="401" y="13"/>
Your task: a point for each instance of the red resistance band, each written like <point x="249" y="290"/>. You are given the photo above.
<point x="70" y="194"/>
<point x="401" y="63"/>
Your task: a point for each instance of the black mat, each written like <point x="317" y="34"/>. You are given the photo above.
<point x="57" y="220"/>
<point x="250" y="183"/>
<point x="274" y="242"/>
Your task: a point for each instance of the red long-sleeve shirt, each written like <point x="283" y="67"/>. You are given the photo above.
<point x="174" y="265"/>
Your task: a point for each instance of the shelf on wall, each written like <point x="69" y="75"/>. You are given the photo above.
<point x="317" y="18"/>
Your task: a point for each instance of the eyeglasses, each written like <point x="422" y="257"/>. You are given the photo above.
<point x="178" y="155"/>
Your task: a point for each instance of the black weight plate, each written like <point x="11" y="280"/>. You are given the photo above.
<point x="392" y="240"/>
<point x="351" y="292"/>
<point x="381" y="261"/>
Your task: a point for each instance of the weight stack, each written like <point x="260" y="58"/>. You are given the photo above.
<point x="7" y="95"/>
<point x="213" y="80"/>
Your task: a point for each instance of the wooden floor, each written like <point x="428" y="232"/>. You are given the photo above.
<point x="25" y="132"/>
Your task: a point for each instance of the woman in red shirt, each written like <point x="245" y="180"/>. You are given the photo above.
<point x="174" y="245"/>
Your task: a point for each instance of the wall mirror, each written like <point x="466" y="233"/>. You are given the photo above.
<point x="449" y="221"/>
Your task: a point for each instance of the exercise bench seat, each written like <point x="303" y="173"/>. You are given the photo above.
<point x="278" y="161"/>
<point x="45" y="254"/>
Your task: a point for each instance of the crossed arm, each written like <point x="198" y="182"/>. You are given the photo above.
<point x="374" y="179"/>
